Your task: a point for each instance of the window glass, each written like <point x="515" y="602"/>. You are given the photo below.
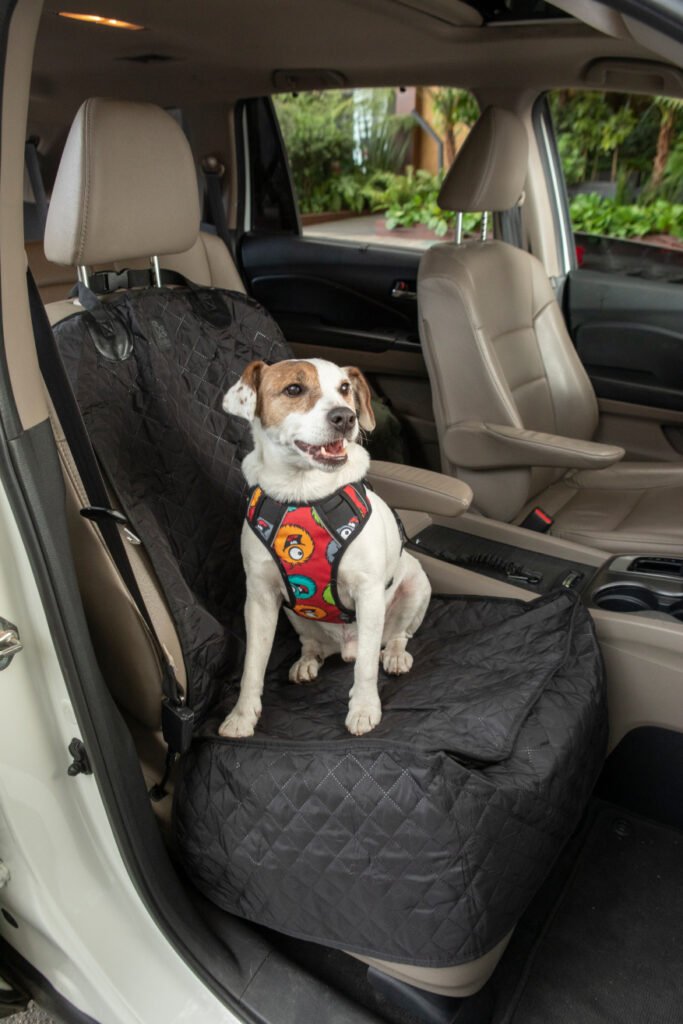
<point x="367" y="164"/>
<point x="622" y="157"/>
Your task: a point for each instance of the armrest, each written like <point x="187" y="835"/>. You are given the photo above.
<point x="476" y="445"/>
<point x="419" y="490"/>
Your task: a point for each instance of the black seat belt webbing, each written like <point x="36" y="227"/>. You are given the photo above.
<point x="176" y="718"/>
<point x="36" y="179"/>
<point x="213" y="172"/>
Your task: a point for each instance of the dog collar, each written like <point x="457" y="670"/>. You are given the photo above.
<point x="307" y="543"/>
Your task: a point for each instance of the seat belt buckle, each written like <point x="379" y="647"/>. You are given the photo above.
<point x="177" y="725"/>
<point x="98" y="514"/>
<point x="538" y="521"/>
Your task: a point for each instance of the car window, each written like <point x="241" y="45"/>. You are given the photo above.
<point x="622" y="157"/>
<point x="367" y="164"/>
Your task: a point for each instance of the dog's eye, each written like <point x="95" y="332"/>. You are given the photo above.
<point x="293" y="390"/>
<point x="345" y="388"/>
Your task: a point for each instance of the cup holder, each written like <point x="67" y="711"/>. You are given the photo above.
<point x="630" y="597"/>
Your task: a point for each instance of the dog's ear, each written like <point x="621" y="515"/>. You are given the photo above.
<point x="362" y="397"/>
<point x="242" y="398"/>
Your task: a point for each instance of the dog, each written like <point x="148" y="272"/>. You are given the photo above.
<point x="309" y="507"/>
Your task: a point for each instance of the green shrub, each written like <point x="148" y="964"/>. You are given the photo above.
<point x="597" y="215"/>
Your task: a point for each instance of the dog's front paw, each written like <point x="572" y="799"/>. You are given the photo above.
<point x="363" y="718"/>
<point x="240" y="723"/>
<point x="396" y="661"/>
<point x="305" y="670"/>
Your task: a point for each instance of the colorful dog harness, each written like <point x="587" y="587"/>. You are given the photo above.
<point x="307" y="542"/>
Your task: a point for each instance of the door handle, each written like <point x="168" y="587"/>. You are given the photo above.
<point x="403" y="290"/>
<point x="10" y="642"/>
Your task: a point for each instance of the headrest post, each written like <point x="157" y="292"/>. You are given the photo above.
<point x="156" y="270"/>
<point x="484" y="225"/>
<point x="458" y="229"/>
<point x="83" y="276"/>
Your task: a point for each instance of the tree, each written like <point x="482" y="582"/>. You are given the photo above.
<point x="669" y="109"/>
<point x="452" y="107"/>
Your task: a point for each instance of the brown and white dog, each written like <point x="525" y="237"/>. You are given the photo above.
<point x="306" y="418"/>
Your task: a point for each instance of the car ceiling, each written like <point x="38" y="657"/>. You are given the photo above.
<point x="219" y="50"/>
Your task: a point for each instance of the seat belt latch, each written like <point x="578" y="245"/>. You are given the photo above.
<point x="177" y="724"/>
<point x="538" y="521"/>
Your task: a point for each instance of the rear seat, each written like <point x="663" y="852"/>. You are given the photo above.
<point x="127" y="207"/>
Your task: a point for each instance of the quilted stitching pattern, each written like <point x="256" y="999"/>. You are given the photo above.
<point x="173" y="456"/>
<point x="421" y="843"/>
<point x="406" y="849"/>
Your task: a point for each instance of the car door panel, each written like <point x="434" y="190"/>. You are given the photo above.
<point x="629" y="335"/>
<point x="644" y="431"/>
<point x="337" y="286"/>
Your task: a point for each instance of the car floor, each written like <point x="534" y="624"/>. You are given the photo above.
<point x="601" y="943"/>
<point x="612" y="947"/>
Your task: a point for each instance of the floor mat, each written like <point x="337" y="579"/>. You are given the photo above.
<point x="613" y="948"/>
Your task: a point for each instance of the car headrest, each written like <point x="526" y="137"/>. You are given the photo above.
<point x="126" y="187"/>
<point x="489" y="171"/>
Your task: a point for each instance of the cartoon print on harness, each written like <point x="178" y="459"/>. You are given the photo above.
<point x="333" y="552"/>
<point x="308" y="534"/>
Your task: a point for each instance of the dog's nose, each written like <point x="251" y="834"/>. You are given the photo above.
<point x="342" y="418"/>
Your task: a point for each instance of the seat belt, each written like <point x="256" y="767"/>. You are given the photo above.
<point x="176" y="718"/>
<point x="36" y="179"/>
<point x="213" y="171"/>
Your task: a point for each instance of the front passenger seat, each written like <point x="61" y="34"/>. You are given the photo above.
<point x="514" y="408"/>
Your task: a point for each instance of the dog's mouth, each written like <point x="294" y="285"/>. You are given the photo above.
<point x="331" y="454"/>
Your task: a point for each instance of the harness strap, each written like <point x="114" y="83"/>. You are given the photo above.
<point x="342" y="514"/>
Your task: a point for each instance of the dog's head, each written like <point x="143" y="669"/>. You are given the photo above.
<point x="310" y="408"/>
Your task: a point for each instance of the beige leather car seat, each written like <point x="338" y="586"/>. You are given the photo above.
<point x="107" y="201"/>
<point x="514" y="408"/>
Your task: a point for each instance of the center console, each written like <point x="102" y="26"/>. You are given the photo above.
<point x="499" y="560"/>
<point x="640" y="583"/>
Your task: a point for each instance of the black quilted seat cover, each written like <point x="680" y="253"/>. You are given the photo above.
<point x="172" y="455"/>
<point x="420" y="843"/>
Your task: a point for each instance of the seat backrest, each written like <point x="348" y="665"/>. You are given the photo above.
<point x="112" y="207"/>
<point x="494" y="339"/>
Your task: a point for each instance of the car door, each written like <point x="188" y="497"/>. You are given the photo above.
<point x="343" y="289"/>
<point x="623" y="297"/>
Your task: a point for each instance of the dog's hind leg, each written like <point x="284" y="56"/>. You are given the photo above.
<point x="404" y="618"/>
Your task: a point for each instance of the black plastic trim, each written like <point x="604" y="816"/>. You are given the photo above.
<point x="620" y="390"/>
<point x="643" y="773"/>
